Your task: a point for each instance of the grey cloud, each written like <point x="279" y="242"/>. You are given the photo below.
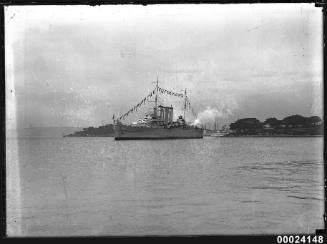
<point x="84" y="72"/>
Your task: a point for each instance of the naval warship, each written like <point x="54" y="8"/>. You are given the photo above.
<point x="158" y="124"/>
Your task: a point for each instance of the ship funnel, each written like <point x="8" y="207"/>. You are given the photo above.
<point x="171" y="115"/>
<point x="166" y="114"/>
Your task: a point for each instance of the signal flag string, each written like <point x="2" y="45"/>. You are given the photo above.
<point x="163" y="91"/>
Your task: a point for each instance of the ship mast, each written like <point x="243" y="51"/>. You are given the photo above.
<point x="216" y="124"/>
<point x="184" y="104"/>
<point x="156" y="100"/>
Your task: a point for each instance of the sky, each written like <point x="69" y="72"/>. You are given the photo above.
<point x="79" y="65"/>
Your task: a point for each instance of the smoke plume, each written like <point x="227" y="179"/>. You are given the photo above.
<point x="208" y="115"/>
<point x="223" y="111"/>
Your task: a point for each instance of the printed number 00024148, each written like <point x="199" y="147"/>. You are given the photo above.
<point x="300" y="239"/>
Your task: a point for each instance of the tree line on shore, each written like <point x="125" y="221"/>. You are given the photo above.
<point x="290" y="125"/>
<point x="104" y="130"/>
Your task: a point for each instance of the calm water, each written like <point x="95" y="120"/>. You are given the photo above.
<point x="98" y="186"/>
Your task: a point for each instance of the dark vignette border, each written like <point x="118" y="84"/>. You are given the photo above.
<point x="224" y="238"/>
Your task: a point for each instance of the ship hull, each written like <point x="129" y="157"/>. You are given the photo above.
<point x="123" y="132"/>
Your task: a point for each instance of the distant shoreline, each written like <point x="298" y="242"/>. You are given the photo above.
<point x="273" y="136"/>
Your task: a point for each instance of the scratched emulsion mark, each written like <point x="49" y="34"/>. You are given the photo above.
<point x="13" y="193"/>
<point x="13" y="188"/>
<point x="13" y="185"/>
<point x="67" y="220"/>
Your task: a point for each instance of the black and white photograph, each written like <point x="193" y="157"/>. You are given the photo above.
<point x="164" y="120"/>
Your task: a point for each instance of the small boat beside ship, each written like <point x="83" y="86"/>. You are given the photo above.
<point x="217" y="132"/>
<point x="159" y="123"/>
